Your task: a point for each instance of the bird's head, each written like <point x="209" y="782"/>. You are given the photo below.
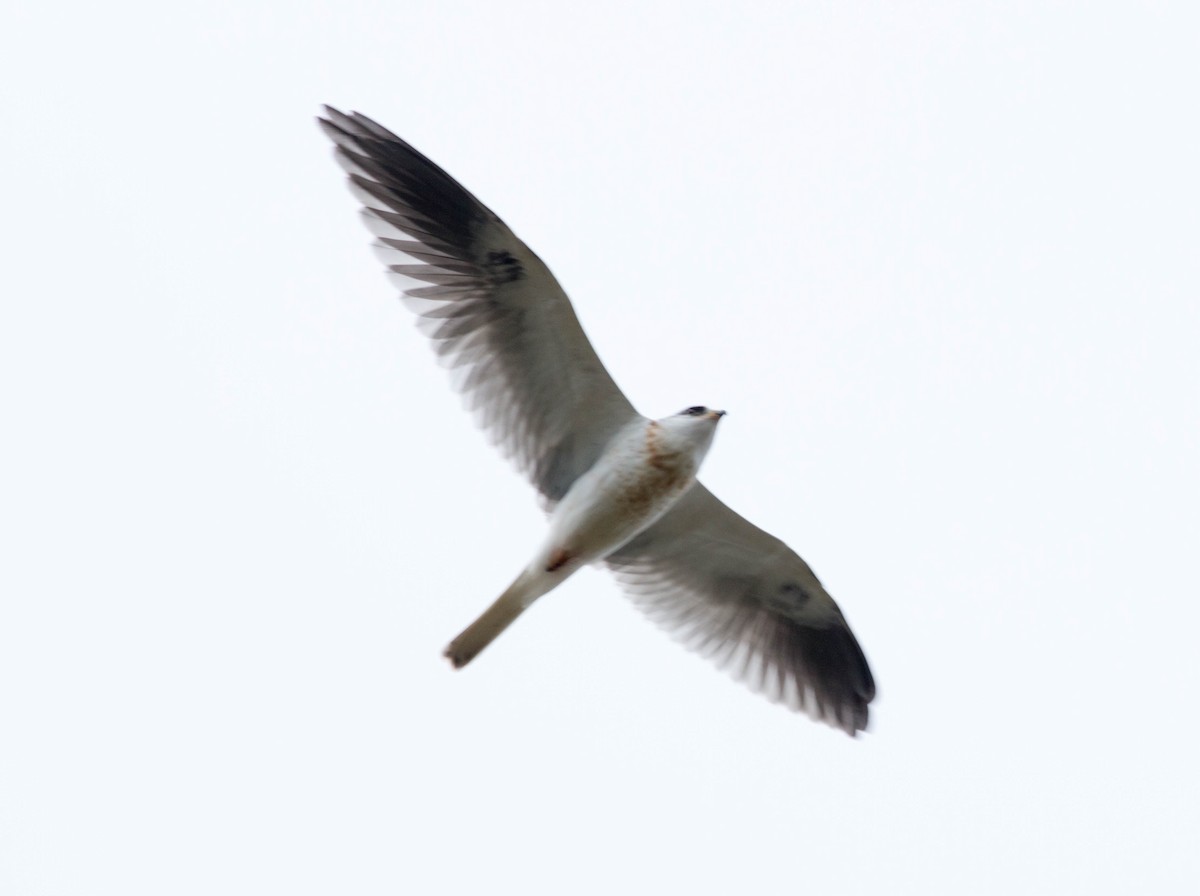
<point x="692" y="429"/>
<point x="699" y="413"/>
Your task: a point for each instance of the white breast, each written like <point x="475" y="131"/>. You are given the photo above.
<point x="636" y="481"/>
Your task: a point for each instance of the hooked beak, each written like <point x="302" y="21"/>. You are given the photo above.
<point x="715" y="415"/>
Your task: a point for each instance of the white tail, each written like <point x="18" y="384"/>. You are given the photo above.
<point x="525" y="589"/>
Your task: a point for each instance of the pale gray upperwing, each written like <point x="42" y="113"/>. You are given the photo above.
<point x="743" y="598"/>
<point x="495" y="313"/>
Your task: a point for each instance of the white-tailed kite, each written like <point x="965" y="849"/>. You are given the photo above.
<point x="619" y="488"/>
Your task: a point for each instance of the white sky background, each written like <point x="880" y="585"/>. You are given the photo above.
<point x="940" y="264"/>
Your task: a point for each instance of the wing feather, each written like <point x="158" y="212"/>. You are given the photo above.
<point x="494" y="312"/>
<point x="741" y="597"/>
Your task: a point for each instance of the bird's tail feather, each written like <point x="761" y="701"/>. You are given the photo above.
<point x="524" y="590"/>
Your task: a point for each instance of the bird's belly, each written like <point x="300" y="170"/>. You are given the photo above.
<point x="604" y="511"/>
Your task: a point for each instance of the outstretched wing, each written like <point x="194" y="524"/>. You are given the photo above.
<point x="495" y="313"/>
<point x="743" y="598"/>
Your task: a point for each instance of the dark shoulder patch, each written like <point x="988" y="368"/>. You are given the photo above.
<point x="794" y="591"/>
<point x="791" y="596"/>
<point x="503" y="266"/>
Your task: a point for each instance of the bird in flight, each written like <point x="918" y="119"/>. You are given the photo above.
<point x="620" y="489"/>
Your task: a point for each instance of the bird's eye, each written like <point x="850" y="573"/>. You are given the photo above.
<point x="695" y="411"/>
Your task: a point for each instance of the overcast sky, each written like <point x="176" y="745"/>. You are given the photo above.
<point x="939" y="262"/>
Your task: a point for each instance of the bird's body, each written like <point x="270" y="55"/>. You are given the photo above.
<point x="619" y="488"/>
<point x="644" y="470"/>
